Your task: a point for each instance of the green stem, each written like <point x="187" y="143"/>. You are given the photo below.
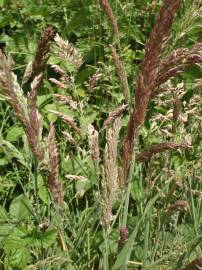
<point x="105" y="250"/>
<point x="127" y="196"/>
<point x="38" y="212"/>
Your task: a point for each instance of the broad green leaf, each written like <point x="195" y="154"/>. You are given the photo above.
<point x="14" y="242"/>
<point x="20" y="208"/>
<point x="46" y="238"/>
<point x="14" y="133"/>
<point x="5" y="231"/>
<point x="20" y="258"/>
<point x="3" y="214"/>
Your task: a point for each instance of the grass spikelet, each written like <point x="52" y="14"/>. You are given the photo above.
<point x="70" y="139"/>
<point x="66" y="100"/>
<point x="53" y="183"/>
<point x="34" y="125"/>
<point x="75" y="177"/>
<point x="11" y="89"/>
<point x="67" y="119"/>
<point x="146" y="79"/>
<point x="109" y="181"/>
<point x="58" y="70"/>
<point x="121" y="73"/>
<point x="114" y="115"/>
<point x="93" y="81"/>
<point x="67" y="52"/>
<point x="41" y="55"/>
<point x="93" y="138"/>
<point x="110" y="15"/>
<point x="175" y="63"/>
<point x="154" y="149"/>
<point x="59" y="83"/>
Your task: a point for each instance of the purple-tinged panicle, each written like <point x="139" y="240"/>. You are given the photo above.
<point x="146" y="79"/>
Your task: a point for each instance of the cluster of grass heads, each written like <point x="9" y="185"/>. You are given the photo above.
<point x="100" y="143"/>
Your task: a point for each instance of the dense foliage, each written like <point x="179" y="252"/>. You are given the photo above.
<point x="51" y="221"/>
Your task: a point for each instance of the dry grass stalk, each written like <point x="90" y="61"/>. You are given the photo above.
<point x="114" y="115"/>
<point x="146" y="79"/>
<point x="11" y="89"/>
<point x="67" y="119"/>
<point x="154" y="149"/>
<point x="121" y="73"/>
<point x="196" y="264"/>
<point x="66" y="100"/>
<point x="109" y="181"/>
<point x="53" y="183"/>
<point x="109" y="13"/>
<point x="93" y="138"/>
<point x="67" y="52"/>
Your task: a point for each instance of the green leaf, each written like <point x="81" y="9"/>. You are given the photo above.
<point x="43" y="192"/>
<point x="3" y="214"/>
<point x="14" y="133"/>
<point x="5" y="231"/>
<point x="20" y="208"/>
<point x="20" y="258"/>
<point x="45" y="238"/>
<point x="14" y="242"/>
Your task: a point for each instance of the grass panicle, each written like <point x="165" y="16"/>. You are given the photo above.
<point x="55" y="186"/>
<point x="109" y="180"/>
<point x="112" y="19"/>
<point x="93" y="139"/>
<point x="145" y="83"/>
<point x="10" y="88"/>
<point x="65" y="51"/>
<point x="154" y="149"/>
<point x="66" y="100"/>
<point x="114" y="115"/>
<point x="67" y="119"/>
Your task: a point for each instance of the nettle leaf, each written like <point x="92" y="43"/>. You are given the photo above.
<point x="20" y="258"/>
<point x="45" y="238"/>
<point x="20" y="208"/>
<point x="3" y="214"/>
<point x="5" y="231"/>
<point x="14" y="242"/>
